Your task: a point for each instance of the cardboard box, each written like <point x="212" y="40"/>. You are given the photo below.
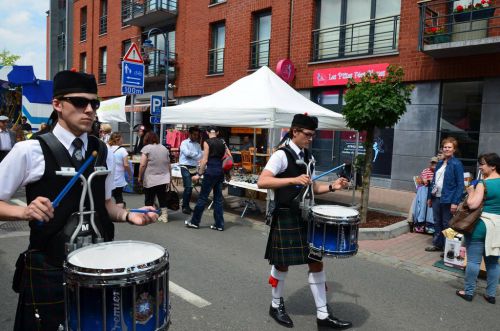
<point x="236" y="191"/>
<point x="454" y="253"/>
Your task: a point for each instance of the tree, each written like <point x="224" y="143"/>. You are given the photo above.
<point x="8" y="59"/>
<point x="375" y="102"/>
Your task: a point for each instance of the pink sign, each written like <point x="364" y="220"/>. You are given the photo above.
<point x="286" y="70"/>
<point x="340" y="76"/>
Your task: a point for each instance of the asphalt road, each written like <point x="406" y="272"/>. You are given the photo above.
<point x="227" y="270"/>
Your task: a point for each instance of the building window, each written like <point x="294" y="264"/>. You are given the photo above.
<point x="214" y="2"/>
<point x="461" y="104"/>
<point x="83" y="23"/>
<point x="103" y="17"/>
<point x="103" y="61"/>
<point x="83" y="62"/>
<point x="355" y="28"/>
<point x="259" y="47"/>
<point x="216" y="52"/>
<point x="125" y="46"/>
<point x="126" y="11"/>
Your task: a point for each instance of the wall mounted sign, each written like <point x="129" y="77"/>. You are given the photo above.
<point x="286" y="70"/>
<point x="340" y="76"/>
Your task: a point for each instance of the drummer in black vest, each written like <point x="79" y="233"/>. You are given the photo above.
<point x="287" y="245"/>
<point x="33" y="163"/>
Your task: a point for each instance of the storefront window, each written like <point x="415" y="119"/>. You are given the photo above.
<point x="461" y="118"/>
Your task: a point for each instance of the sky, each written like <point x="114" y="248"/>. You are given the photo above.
<point x="23" y="31"/>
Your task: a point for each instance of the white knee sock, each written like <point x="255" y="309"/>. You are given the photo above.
<point x="317" y="282"/>
<point x="277" y="281"/>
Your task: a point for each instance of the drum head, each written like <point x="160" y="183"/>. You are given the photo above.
<point x="116" y="255"/>
<point x="334" y="212"/>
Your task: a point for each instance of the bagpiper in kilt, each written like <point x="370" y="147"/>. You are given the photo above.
<point x="286" y="173"/>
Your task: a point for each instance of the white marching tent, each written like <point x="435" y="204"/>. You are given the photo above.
<point x="259" y="100"/>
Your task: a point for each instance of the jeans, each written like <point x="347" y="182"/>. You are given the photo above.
<point x="187" y="182"/>
<point x="209" y="183"/>
<point x="151" y="193"/>
<point x="442" y="215"/>
<point x="475" y="251"/>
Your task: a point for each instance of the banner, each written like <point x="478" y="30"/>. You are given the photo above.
<point x="112" y="110"/>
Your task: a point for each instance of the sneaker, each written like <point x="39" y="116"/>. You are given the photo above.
<point x="191" y="225"/>
<point x="187" y="211"/>
<point x="213" y="227"/>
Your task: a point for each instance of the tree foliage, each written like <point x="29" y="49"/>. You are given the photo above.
<point x="375" y="102"/>
<point x="8" y="59"/>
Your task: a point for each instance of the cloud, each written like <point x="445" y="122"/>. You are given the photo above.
<point x="23" y="31"/>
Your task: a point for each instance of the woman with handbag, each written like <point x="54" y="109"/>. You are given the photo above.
<point x="121" y="167"/>
<point x="484" y="241"/>
<point x="211" y="167"/>
<point x="154" y="173"/>
<point x="447" y="188"/>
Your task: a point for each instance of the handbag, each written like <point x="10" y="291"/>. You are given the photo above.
<point x="172" y="199"/>
<point x="227" y="159"/>
<point x="465" y="218"/>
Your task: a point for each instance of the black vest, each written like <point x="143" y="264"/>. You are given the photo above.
<point x="49" y="237"/>
<point x="284" y="196"/>
<point x="216" y="151"/>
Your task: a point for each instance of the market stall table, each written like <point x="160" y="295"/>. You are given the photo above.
<point x="252" y="187"/>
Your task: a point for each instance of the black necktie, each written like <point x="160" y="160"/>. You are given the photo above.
<point x="301" y="155"/>
<point x="77" y="155"/>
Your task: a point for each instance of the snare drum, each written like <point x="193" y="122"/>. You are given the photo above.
<point x="121" y="285"/>
<point x="333" y="231"/>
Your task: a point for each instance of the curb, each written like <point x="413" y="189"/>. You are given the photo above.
<point x="390" y="231"/>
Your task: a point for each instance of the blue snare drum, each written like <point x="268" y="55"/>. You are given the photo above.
<point x="333" y="231"/>
<point x="116" y="286"/>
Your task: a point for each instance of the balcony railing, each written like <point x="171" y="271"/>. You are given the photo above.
<point x="453" y="28"/>
<point x="155" y="64"/>
<point x="103" y="24"/>
<point x="101" y="77"/>
<point x="83" y="32"/>
<point x="372" y="37"/>
<point x="216" y="61"/>
<point x="61" y="41"/>
<point x="149" y="12"/>
<point x="259" y="53"/>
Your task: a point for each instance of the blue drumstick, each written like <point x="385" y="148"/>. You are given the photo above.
<point x="327" y="172"/>
<point x="145" y="211"/>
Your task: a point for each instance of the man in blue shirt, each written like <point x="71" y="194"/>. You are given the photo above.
<point x="190" y="155"/>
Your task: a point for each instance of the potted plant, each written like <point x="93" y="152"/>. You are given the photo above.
<point x="483" y="10"/>
<point x="463" y="13"/>
<point x="436" y="35"/>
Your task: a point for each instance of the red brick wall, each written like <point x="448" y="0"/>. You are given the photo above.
<point x="112" y="40"/>
<point x="193" y="37"/>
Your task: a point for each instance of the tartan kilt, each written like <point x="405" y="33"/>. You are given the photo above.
<point x="287" y="243"/>
<point x="41" y="289"/>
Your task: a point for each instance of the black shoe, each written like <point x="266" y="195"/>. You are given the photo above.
<point x="187" y="211"/>
<point x="489" y="299"/>
<point x="279" y="315"/>
<point x="441" y="255"/>
<point x="466" y="297"/>
<point x="332" y="322"/>
<point x="434" y="249"/>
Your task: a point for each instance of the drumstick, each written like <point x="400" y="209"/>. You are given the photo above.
<point x="145" y="211"/>
<point x="327" y="172"/>
<point x="73" y="180"/>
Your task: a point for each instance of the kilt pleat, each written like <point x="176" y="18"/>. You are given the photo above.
<point x="287" y="243"/>
<point x="42" y="291"/>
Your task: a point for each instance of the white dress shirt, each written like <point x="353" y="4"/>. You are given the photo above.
<point x="5" y="141"/>
<point x="25" y="163"/>
<point x="278" y="162"/>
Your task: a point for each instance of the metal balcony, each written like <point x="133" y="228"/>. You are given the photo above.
<point x="373" y="37"/>
<point x="102" y="75"/>
<point x="259" y="53"/>
<point x="216" y="61"/>
<point x="155" y="64"/>
<point x="150" y="13"/>
<point x="83" y="32"/>
<point x="450" y="28"/>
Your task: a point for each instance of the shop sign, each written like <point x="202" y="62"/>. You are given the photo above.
<point x="340" y="76"/>
<point x="286" y="70"/>
<point x="245" y="130"/>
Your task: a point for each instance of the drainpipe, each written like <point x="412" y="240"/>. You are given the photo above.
<point x="291" y="28"/>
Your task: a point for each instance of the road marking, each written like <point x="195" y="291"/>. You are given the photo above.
<point x="188" y="296"/>
<point x="19" y="202"/>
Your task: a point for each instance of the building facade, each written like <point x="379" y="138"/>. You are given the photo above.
<point x="450" y="54"/>
<point x="59" y="37"/>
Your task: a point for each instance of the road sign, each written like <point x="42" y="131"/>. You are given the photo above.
<point x="156" y="103"/>
<point x="155" y="120"/>
<point x="133" y="54"/>
<point x="132" y="78"/>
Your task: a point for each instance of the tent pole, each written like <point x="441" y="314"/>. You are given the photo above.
<point x="254" y="149"/>
<point x="354" y="168"/>
<point x="132" y="115"/>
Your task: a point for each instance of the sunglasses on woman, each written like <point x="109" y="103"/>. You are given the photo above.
<point x="81" y="102"/>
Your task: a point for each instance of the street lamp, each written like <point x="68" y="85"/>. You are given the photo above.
<point x="148" y="46"/>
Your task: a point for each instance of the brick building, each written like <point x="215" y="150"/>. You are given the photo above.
<point x="450" y="55"/>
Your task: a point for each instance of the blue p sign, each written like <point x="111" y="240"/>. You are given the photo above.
<point x="156" y="103"/>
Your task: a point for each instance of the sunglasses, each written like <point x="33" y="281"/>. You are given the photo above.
<point x="82" y="103"/>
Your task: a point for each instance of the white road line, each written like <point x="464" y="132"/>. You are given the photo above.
<point x="188" y="296"/>
<point x="19" y="202"/>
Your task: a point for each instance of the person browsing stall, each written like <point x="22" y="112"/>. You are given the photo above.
<point x="190" y="155"/>
<point x="213" y="176"/>
<point x="122" y="166"/>
<point x="7" y="137"/>
<point x="287" y="243"/>
<point x="484" y="241"/>
<point x="33" y="163"/>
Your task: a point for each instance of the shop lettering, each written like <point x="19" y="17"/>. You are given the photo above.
<point x="341" y="76"/>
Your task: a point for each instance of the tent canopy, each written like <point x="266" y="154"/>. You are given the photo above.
<point x="259" y="100"/>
